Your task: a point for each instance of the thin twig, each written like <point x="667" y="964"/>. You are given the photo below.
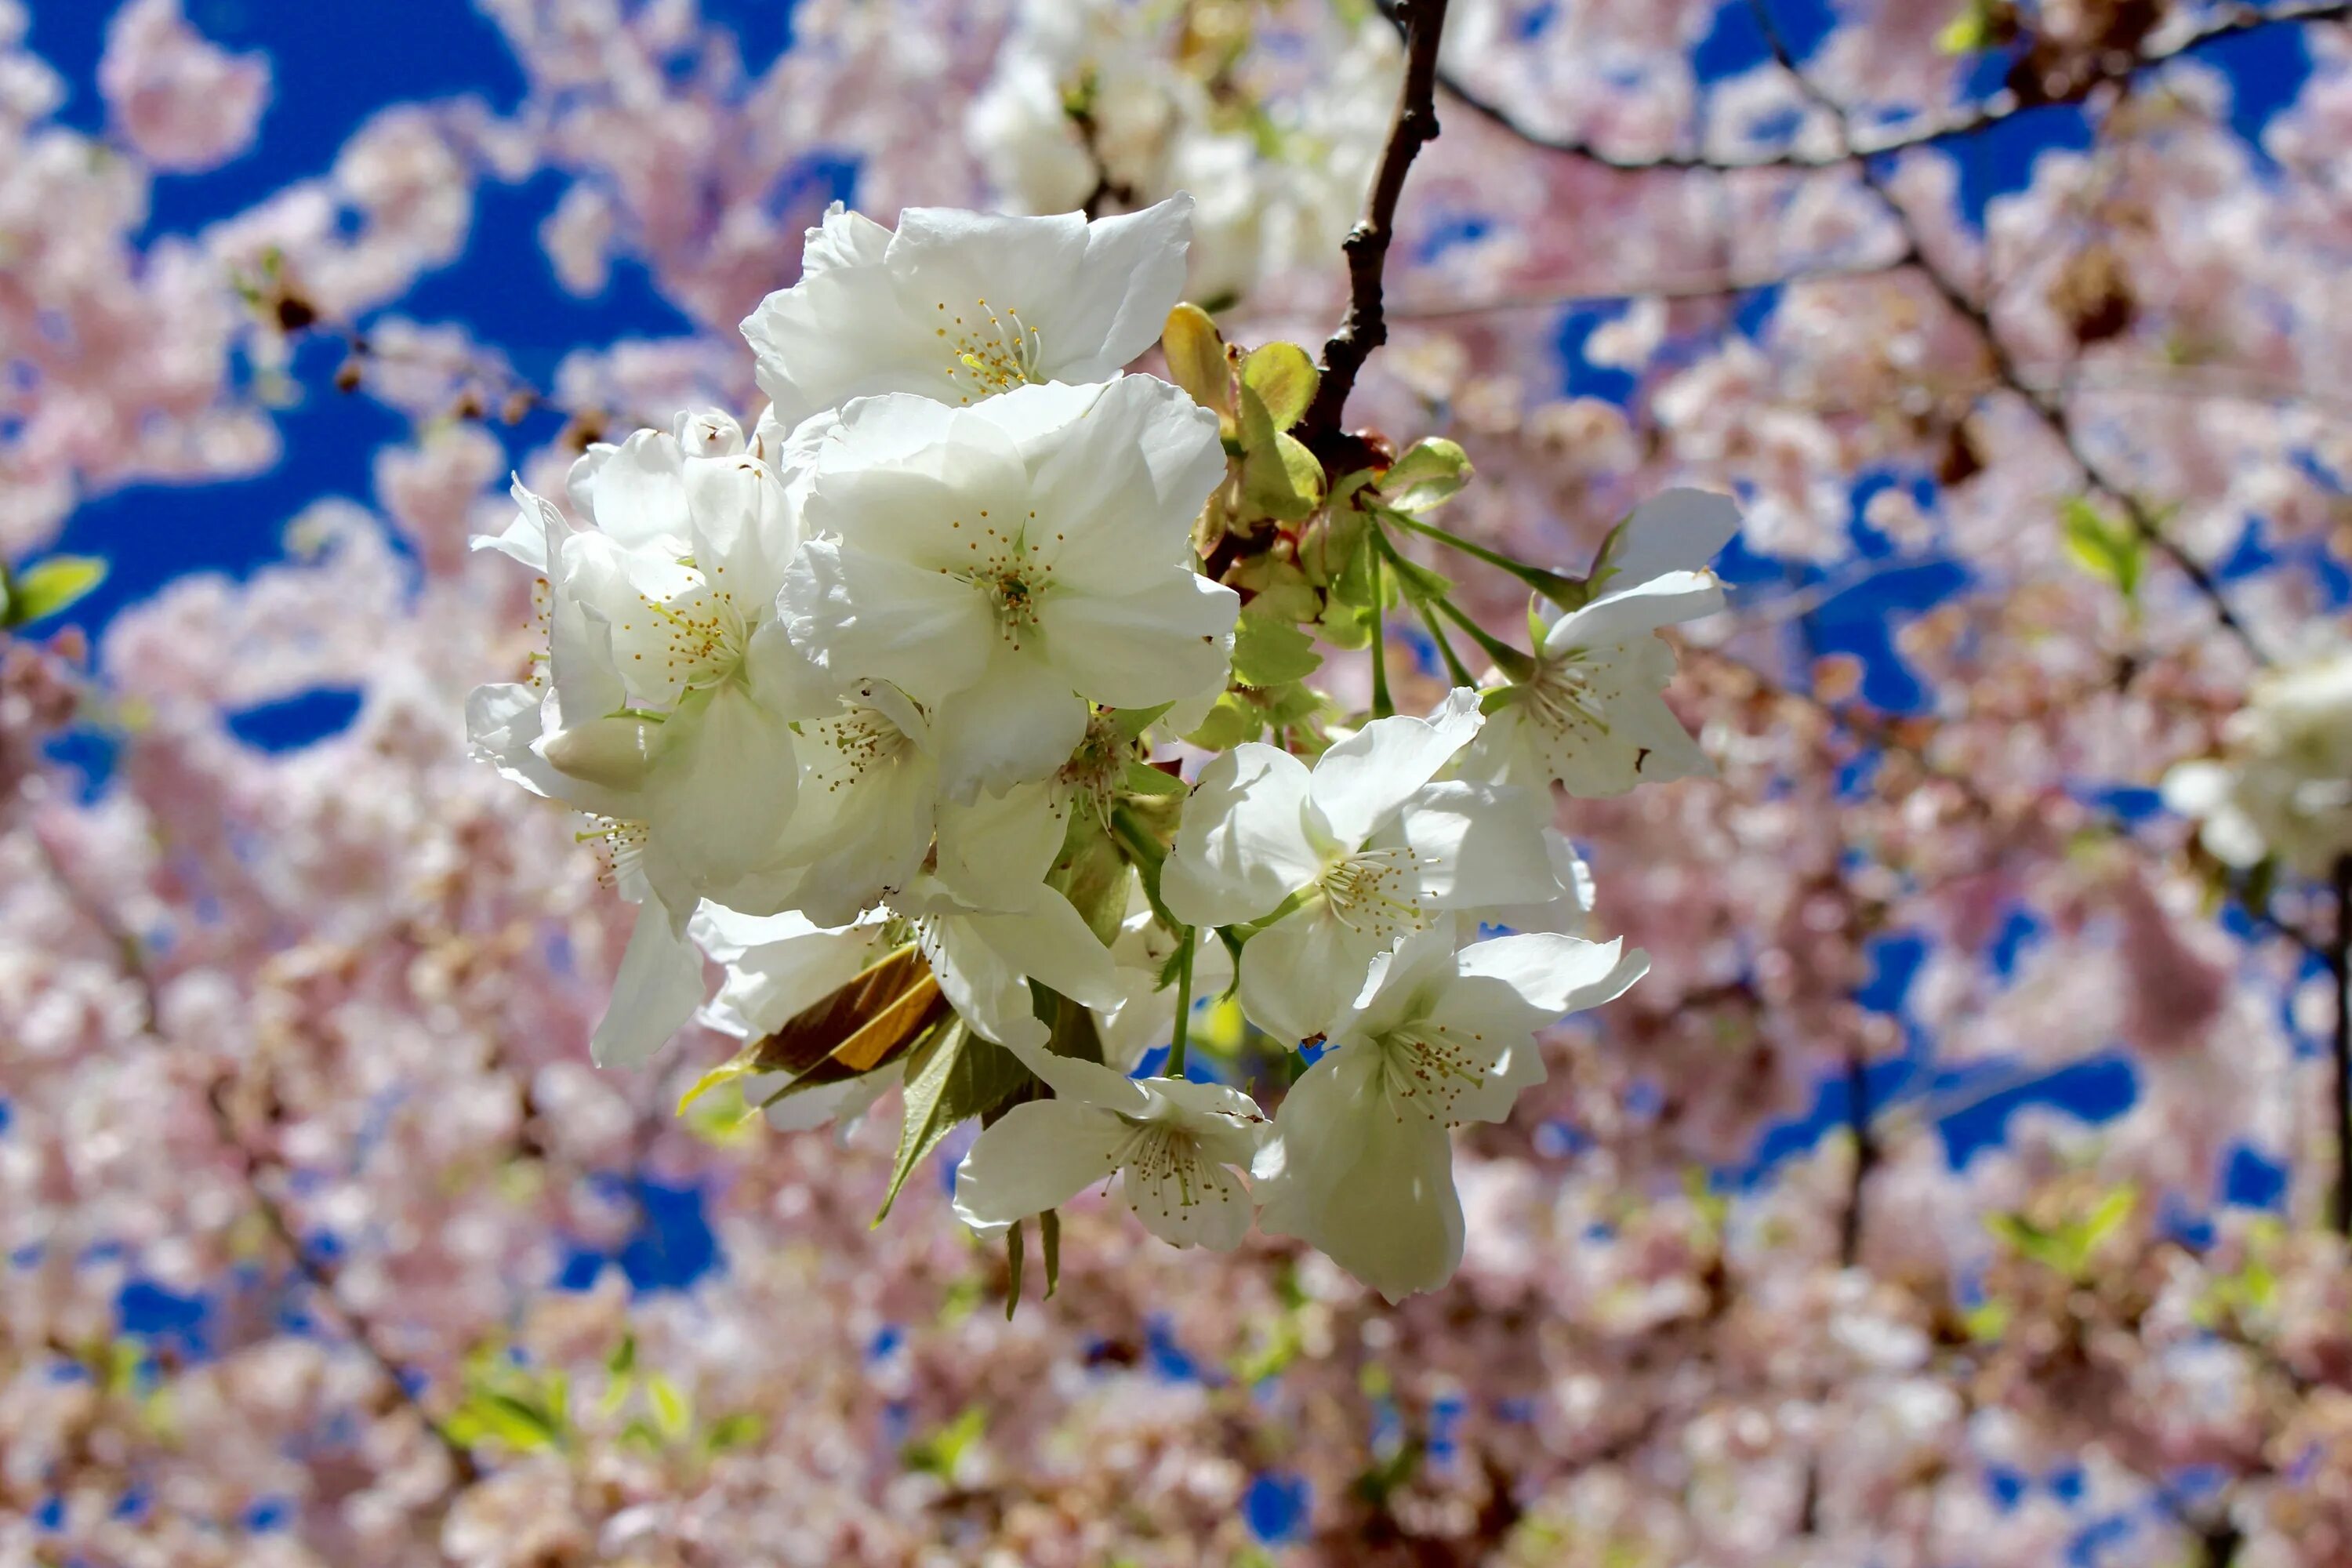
<point x="1966" y="123"/>
<point x="2340" y="967"/>
<point x="2051" y="409"/>
<point x="130" y="960"/>
<point x="1858" y="1110"/>
<point x="1415" y="127"/>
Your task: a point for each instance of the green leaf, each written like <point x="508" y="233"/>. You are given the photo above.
<point x="736" y="1429"/>
<point x="1231" y="722"/>
<point x="2113" y="1210"/>
<point x="624" y="1359"/>
<point x="46" y="587"/>
<point x="1093" y="875"/>
<point x="1280" y="478"/>
<point x="1196" y="359"/>
<point x="1284" y="379"/>
<point x="673" y="1414"/>
<point x="1429" y="473"/>
<point x="953" y="1076"/>
<point x="2104" y="547"/>
<point x="1269" y="652"/>
<point x="1983" y="25"/>
<point x="1049" y="1230"/>
<point x="1282" y="590"/>
<point x="938" y="1451"/>
<point x="504" y="1418"/>
<point x="1016" y="1260"/>
<point x="1130" y="722"/>
<point x="1139" y="777"/>
<point x="743" y="1064"/>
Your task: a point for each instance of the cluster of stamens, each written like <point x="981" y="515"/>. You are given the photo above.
<point x="862" y="738"/>
<point x="989" y="359"/>
<point x="705" y="637"/>
<point x="1375" y="892"/>
<point x="1154" y="1153"/>
<point x="1093" y="773"/>
<point x="1008" y="569"/>
<point x="616" y="844"/>
<point x="1561" y="696"/>
<point x="1427" y="1066"/>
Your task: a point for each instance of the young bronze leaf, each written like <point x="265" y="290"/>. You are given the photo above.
<point x="859" y="1025"/>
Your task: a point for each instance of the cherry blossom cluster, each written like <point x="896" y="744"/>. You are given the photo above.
<point x="884" y="705"/>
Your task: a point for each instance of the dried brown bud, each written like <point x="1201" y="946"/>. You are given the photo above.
<point x="2095" y="297"/>
<point x="294" y="312"/>
<point x="1960" y="461"/>
<point x="347" y="375"/>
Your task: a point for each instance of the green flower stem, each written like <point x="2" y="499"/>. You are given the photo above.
<point x="1507" y="659"/>
<point x="1565" y="592"/>
<point x="1382" y="707"/>
<point x="1183" y="1005"/>
<point x="1457" y="670"/>
<point x="1148" y="856"/>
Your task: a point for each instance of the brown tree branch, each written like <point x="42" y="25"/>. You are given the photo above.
<point x="130" y="960"/>
<point x="2049" y="408"/>
<point x="1415" y="127"/>
<point x="1966" y="123"/>
<point x="2339" y="965"/>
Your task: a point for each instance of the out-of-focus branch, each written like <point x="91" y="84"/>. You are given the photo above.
<point x="255" y="1170"/>
<point x="2340" y="961"/>
<point x="1107" y="189"/>
<point x="1697" y="287"/>
<point x="1415" y="127"/>
<point x="2229" y="22"/>
<point x="1899" y="736"/>
<point x="250" y="1166"/>
<point x="2051" y="409"/>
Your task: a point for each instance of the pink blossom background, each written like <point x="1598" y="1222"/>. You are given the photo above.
<point x="1953" y="1192"/>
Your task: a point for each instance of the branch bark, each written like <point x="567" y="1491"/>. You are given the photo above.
<point x="130" y="960"/>
<point x="1365" y="327"/>
<point x="2339" y="962"/>
<point x="1966" y="123"/>
<point x="2049" y="407"/>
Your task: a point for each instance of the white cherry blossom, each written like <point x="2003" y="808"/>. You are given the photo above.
<point x="664" y="708"/>
<point x="1344" y="860"/>
<point x="1361" y="1165"/>
<point x="2284" y="784"/>
<point x="1173" y="1145"/>
<point x="959" y="306"/>
<point x="1006" y="564"/>
<point x="1593" y="713"/>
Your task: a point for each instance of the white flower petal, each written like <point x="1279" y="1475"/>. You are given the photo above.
<point x="1017" y="723"/>
<point x="1000" y="844"/>
<point x="1038" y="1155"/>
<point x="1476" y="844"/>
<point x="1678" y="531"/>
<point x="1619" y="617"/>
<point x="1242" y="847"/>
<point x="657" y="988"/>
<point x="1300" y="973"/>
<point x="866" y="615"/>
<point x="1372" y="1189"/>
<point x="1171" y="639"/>
<point x="1360" y="782"/>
